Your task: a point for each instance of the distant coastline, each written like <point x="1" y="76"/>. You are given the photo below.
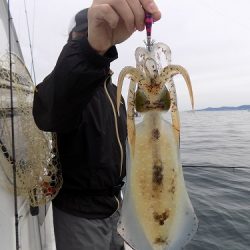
<point x="226" y="108"/>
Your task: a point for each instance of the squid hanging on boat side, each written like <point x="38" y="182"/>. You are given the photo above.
<point x="157" y="213"/>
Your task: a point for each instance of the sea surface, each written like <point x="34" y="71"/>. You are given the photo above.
<point x="215" y="152"/>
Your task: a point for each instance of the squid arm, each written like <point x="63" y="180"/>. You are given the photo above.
<point x="170" y="71"/>
<point x="166" y="76"/>
<point x="135" y="76"/>
<point x="174" y="110"/>
<point x="164" y="49"/>
<point x="141" y="54"/>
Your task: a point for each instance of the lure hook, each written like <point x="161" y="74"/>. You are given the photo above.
<point x="149" y="23"/>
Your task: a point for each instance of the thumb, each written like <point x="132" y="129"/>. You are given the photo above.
<point x="151" y="7"/>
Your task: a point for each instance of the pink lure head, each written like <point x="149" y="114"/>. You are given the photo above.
<point x="148" y="23"/>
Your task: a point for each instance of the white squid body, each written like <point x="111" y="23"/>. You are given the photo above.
<point x="156" y="212"/>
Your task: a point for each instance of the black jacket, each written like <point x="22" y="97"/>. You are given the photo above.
<point x="78" y="102"/>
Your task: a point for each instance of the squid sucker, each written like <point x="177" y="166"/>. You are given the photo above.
<point x="156" y="213"/>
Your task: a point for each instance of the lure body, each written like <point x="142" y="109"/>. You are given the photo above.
<point x="156" y="213"/>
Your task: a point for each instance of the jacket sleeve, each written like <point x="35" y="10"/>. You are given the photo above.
<point x="61" y="97"/>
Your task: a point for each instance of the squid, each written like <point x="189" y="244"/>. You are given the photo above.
<point x="156" y="213"/>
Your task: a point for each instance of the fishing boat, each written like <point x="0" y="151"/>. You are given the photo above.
<point x="21" y="226"/>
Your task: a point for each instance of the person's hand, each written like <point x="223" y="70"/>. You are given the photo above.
<point x="113" y="21"/>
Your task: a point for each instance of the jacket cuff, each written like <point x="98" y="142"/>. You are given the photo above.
<point x="94" y="57"/>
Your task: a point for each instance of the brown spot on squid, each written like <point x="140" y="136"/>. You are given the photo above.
<point x="162" y="217"/>
<point x="157" y="174"/>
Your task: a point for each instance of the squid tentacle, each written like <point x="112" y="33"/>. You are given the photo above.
<point x="134" y="74"/>
<point x="170" y="71"/>
<point x="131" y="116"/>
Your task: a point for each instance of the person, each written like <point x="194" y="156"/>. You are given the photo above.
<point x="77" y="101"/>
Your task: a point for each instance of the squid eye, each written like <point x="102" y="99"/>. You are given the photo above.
<point x="140" y="101"/>
<point x="165" y="99"/>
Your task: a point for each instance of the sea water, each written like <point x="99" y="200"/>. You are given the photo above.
<point x="213" y="146"/>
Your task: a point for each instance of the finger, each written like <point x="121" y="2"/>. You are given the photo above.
<point x="104" y="13"/>
<point x="138" y="12"/>
<point x="123" y="11"/>
<point x="151" y="7"/>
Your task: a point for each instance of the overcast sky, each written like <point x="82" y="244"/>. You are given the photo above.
<point x="210" y="38"/>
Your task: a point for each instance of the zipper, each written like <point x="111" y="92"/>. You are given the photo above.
<point x="116" y="125"/>
<point x="117" y="133"/>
